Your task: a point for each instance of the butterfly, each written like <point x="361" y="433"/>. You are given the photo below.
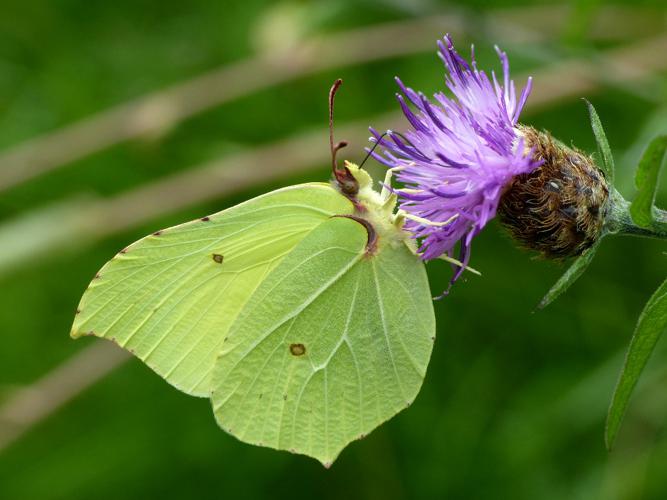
<point x="304" y="314"/>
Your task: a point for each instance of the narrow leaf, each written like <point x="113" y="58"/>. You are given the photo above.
<point x="570" y="276"/>
<point x="652" y="323"/>
<point x="646" y="180"/>
<point x="603" y="144"/>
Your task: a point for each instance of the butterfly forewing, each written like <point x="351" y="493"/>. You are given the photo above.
<point x="171" y="297"/>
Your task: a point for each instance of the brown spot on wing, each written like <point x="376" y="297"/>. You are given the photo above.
<point x="297" y="349"/>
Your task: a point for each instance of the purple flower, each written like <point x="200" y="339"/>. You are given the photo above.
<point x="458" y="155"/>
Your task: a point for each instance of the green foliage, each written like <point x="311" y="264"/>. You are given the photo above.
<point x="652" y="323"/>
<point x="646" y="181"/>
<point x="603" y="145"/>
<point x="575" y="270"/>
<point x="513" y="403"/>
<point x="653" y="319"/>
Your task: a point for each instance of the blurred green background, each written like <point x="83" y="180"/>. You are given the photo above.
<point x="120" y="118"/>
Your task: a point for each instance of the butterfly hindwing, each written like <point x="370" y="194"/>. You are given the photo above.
<point x="333" y="342"/>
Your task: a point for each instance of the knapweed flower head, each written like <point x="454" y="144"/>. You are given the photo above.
<point x="459" y="154"/>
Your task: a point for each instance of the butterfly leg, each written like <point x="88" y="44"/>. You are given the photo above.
<point x="427" y="222"/>
<point x="386" y="185"/>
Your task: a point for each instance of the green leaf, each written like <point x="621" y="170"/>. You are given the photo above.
<point x="646" y="181"/>
<point x="603" y="144"/>
<point x="171" y="297"/>
<point x="652" y="323"/>
<point x="570" y="276"/>
<point x="333" y="343"/>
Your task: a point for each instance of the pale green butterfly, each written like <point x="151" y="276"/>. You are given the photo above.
<point x="304" y="314"/>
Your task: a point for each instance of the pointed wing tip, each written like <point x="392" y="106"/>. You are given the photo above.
<point x="327" y="461"/>
<point x="76" y="332"/>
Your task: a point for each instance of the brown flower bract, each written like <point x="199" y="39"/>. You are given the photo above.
<point x="559" y="208"/>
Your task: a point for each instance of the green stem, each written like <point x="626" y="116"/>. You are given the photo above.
<point x="619" y="220"/>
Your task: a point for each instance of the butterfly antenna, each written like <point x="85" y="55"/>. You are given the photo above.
<point x="375" y="145"/>
<point x="339" y="145"/>
<point x="347" y="183"/>
<point x="379" y="140"/>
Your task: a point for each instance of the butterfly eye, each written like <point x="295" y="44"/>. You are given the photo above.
<point x="347" y="183"/>
<point x="349" y="187"/>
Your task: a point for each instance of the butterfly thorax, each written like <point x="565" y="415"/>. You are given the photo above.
<point x="379" y="209"/>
